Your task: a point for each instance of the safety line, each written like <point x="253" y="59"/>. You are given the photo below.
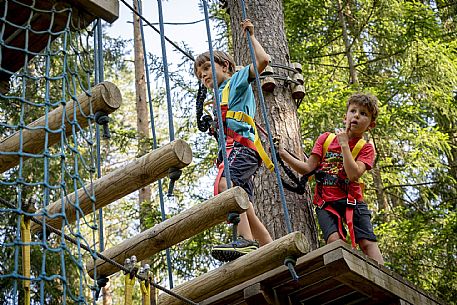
<point x="221" y="138"/>
<point x="97" y="254"/>
<point x="157" y="31"/>
<point x="267" y="125"/>
<point x="154" y="140"/>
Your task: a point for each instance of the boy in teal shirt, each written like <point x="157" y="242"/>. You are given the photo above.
<point x="236" y="93"/>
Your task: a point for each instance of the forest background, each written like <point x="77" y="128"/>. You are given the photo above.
<point x="404" y="52"/>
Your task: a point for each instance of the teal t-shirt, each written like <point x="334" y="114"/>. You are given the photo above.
<point x="241" y="98"/>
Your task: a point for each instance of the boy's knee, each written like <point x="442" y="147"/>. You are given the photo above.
<point x="366" y="244"/>
<point x="333" y="237"/>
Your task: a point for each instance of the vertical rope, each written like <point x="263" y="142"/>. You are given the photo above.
<point x="154" y="141"/>
<point x="267" y="126"/>
<point x="165" y="70"/>
<point x="221" y="138"/>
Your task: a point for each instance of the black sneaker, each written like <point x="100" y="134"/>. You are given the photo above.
<point x="231" y="251"/>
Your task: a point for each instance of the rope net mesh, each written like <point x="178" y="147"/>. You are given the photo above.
<point x="47" y="62"/>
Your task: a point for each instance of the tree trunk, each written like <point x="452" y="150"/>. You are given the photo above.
<point x="144" y="194"/>
<point x="268" y="20"/>
<point x="347" y="44"/>
<point x="376" y="172"/>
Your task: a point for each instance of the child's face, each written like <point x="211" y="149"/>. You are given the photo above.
<point x="358" y="119"/>
<point x="205" y="75"/>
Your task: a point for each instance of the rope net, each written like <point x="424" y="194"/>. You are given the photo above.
<point x="47" y="153"/>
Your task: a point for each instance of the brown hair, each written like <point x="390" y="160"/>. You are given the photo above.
<point x="220" y="58"/>
<point x="367" y="100"/>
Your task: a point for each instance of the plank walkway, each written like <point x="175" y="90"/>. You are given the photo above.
<point x="333" y="274"/>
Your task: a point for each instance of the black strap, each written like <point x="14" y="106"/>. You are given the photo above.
<point x="300" y="183"/>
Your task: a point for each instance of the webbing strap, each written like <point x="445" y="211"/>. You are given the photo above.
<point x="146" y="292"/>
<point x="225" y="94"/>
<point x="355" y="151"/>
<point x="327" y="143"/>
<point x="244" y="117"/>
<point x="26" y="238"/>
<point x="128" y="292"/>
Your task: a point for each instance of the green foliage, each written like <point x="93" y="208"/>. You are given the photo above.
<point x="421" y="246"/>
<point x="405" y="53"/>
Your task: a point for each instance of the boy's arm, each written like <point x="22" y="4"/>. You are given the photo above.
<point x="301" y="167"/>
<point x="354" y="169"/>
<point x="261" y="57"/>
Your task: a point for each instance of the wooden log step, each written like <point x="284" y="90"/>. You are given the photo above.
<point x="240" y="270"/>
<point x="121" y="182"/>
<point x="173" y="230"/>
<point x="105" y="97"/>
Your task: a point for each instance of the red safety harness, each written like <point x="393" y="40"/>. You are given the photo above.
<point x="232" y="136"/>
<point x="350" y="200"/>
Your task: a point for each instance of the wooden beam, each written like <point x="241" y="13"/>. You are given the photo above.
<point x="186" y="224"/>
<point x="258" y="295"/>
<point x="108" y="10"/>
<point x="119" y="183"/>
<point x="240" y="270"/>
<point x="365" y="275"/>
<point x="105" y="97"/>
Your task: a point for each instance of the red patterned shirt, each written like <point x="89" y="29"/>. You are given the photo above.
<point x="332" y="166"/>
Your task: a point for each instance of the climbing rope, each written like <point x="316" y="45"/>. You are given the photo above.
<point x="157" y="31"/>
<point x="37" y="83"/>
<point x="220" y="131"/>
<point x="267" y="126"/>
<point x="95" y="254"/>
<point x="154" y="138"/>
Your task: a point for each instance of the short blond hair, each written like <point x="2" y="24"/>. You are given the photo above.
<point x="220" y="57"/>
<point x="367" y="100"/>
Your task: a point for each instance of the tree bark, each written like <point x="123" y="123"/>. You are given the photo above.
<point x="347" y="44"/>
<point x="144" y="194"/>
<point x="142" y="126"/>
<point x="268" y="20"/>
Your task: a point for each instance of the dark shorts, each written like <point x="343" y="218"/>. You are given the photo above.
<point x="363" y="229"/>
<point x="243" y="164"/>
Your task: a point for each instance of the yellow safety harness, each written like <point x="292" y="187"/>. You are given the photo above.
<point x="351" y="202"/>
<point x="241" y="116"/>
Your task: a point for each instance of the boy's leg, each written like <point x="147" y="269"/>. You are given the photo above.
<point x="328" y="224"/>
<point x="244" y="228"/>
<point x="371" y="249"/>
<point x="259" y="232"/>
<point x="333" y="237"/>
<point x="364" y="234"/>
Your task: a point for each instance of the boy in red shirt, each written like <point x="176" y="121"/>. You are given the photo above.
<point x="338" y="193"/>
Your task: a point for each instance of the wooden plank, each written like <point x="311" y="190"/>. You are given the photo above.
<point x="30" y="26"/>
<point x="108" y="10"/>
<point x="258" y="294"/>
<point x="186" y="224"/>
<point x="117" y="184"/>
<point x="363" y="274"/>
<point x="240" y="270"/>
<point x="105" y="97"/>
<point x="279" y="276"/>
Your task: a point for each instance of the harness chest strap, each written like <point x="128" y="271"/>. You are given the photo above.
<point x="234" y="136"/>
<point x="241" y="116"/>
<point x="351" y="202"/>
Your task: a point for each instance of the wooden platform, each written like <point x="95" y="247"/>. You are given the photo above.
<point x="333" y="274"/>
<point x="28" y="26"/>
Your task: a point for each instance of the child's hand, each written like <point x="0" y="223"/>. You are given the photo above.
<point x="342" y="135"/>
<point x="279" y="145"/>
<point x="247" y="26"/>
